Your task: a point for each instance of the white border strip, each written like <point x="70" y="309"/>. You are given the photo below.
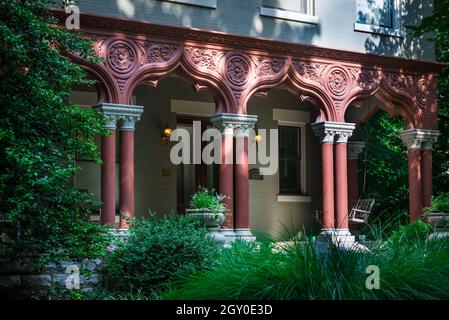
<point x="293" y="198"/>
<point x="288" y="15"/>
<point x="212" y="4"/>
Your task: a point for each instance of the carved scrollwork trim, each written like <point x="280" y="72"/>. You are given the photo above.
<point x="236" y="71"/>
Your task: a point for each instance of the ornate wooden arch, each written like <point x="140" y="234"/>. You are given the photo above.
<point x="236" y="67"/>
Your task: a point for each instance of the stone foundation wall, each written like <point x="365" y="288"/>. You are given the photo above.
<point x="21" y="280"/>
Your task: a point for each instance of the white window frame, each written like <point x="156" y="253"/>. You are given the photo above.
<point x="396" y="31"/>
<point x="300" y="119"/>
<point x="211" y="4"/>
<point x="302" y="196"/>
<point x="278" y="13"/>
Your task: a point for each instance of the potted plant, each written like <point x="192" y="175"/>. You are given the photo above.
<point x="437" y="214"/>
<point x="207" y="206"/>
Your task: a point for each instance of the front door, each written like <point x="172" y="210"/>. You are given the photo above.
<point x="192" y="176"/>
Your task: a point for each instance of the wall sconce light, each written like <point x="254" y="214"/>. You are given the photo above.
<point x="166" y="133"/>
<point x="258" y="138"/>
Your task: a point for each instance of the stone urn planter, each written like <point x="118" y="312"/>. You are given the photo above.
<point x="438" y="220"/>
<point x="207" y="217"/>
<point x="437" y="215"/>
<point x="212" y="220"/>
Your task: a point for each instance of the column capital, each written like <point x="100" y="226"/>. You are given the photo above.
<point x="419" y="138"/>
<point x="354" y="149"/>
<point x="123" y="114"/>
<point x="234" y="124"/>
<point x="327" y="131"/>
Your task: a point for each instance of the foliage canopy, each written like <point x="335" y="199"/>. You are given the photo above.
<point x="42" y="135"/>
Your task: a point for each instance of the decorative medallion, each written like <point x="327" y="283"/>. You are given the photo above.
<point x="122" y="57"/>
<point x="337" y="81"/>
<point x="237" y="70"/>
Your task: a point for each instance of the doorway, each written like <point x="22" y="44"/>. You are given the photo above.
<point x="192" y="176"/>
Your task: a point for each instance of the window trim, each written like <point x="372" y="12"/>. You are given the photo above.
<point x="396" y="31"/>
<point x="302" y="196"/>
<point x="293" y="198"/>
<point x="288" y="15"/>
<point x="211" y="4"/>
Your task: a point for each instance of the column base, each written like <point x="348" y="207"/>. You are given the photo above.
<point x="218" y="237"/>
<point x="228" y="233"/>
<point x="340" y="238"/>
<point x="244" y="234"/>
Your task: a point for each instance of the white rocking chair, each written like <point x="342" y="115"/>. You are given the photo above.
<point x="361" y="210"/>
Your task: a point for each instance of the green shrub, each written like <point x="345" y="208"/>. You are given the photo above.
<point x="410" y="235"/>
<point x="42" y="135"/>
<point x="98" y="294"/>
<point x="440" y="203"/>
<point x="410" y="268"/>
<point x="206" y="198"/>
<point x="157" y="252"/>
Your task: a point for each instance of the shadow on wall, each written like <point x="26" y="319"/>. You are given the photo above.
<point x="224" y="18"/>
<point x="412" y="14"/>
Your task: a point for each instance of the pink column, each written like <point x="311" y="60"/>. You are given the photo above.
<point x="326" y="134"/>
<point x="426" y="173"/>
<point x="227" y="177"/>
<point x="341" y="184"/>
<point x="414" y="183"/>
<point x="242" y="188"/>
<point x="327" y="131"/>
<point x="126" y="177"/>
<point x="413" y="139"/>
<point x="327" y="150"/>
<point x="108" y="178"/>
<point x="130" y="114"/>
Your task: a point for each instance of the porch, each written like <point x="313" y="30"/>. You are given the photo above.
<point x="321" y="91"/>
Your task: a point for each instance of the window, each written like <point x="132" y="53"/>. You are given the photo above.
<point x="212" y="4"/>
<point x="375" y="12"/>
<point x="289" y="160"/>
<point x="379" y="16"/>
<point x="301" y="6"/>
<point x="292" y="154"/>
<point x="295" y="10"/>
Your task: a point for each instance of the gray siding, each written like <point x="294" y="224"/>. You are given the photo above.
<point x="335" y="28"/>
